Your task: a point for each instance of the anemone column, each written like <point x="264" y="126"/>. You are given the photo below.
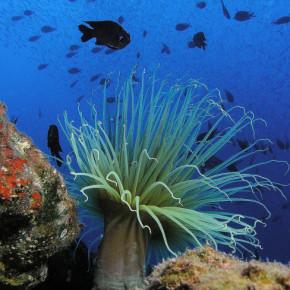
<point x="121" y="256"/>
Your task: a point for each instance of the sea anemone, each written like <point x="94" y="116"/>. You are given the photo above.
<point x="141" y="166"/>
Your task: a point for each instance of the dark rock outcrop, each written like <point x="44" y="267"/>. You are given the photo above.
<point x="37" y="217"/>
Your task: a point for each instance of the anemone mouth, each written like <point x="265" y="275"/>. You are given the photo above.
<point x="149" y="162"/>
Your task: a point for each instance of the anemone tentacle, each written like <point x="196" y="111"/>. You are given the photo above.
<point x="149" y="157"/>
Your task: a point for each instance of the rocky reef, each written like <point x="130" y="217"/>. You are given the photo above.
<point x="37" y="216"/>
<point x="207" y="269"/>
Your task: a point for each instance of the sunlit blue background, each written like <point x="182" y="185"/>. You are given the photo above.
<point x="250" y="59"/>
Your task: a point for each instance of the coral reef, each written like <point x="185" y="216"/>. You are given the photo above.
<point x="37" y="217"/>
<point x="208" y="269"/>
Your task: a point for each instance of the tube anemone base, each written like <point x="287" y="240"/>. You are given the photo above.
<point x="120" y="263"/>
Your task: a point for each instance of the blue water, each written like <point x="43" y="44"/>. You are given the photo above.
<point x="250" y="59"/>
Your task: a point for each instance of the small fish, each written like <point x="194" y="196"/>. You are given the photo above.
<point x="111" y="100"/>
<point x="225" y="10"/>
<point x="28" y="12"/>
<point x="107" y="33"/>
<point x="47" y="29"/>
<point x="33" y="38"/>
<point x="71" y="54"/>
<point x="285" y="205"/>
<point x="14" y="120"/>
<point x="74" y="70"/>
<point x="199" y="40"/>
<point x="96" y="49"/>
<point x="138" y="55"/>
<point x="243" y="15"/>
<point x="74" y="47"/>
<point x="95" y="77"/>
<point x="229" y="96"/>
<point x="53" y="143"/>
<point x="110" y="51"/>
<point x="42" y="66"/>
<point x="79" y="98"/>
<point x="200" y="137"/>
<point x="232" y="168"/>
<point x="121" y="19"/>
<point x="282" y="20"/>
<point x="16" y="18"/>
<point x="165" y="49"/>
<point x="73" y="83"/>
<point x="144" y="34"/>
<point x="39" y="113"/>
<point x="201" y="5"/>
<point x="105" y="82"/>
<point x="276" y="218"/>
<point x="134" y="78"/>
<point x="280" y="144"/>
<point x="243" y="144"/>
<point x="182" y="26"/>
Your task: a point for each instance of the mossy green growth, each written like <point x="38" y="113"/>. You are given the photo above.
<point x="218" y="271"/>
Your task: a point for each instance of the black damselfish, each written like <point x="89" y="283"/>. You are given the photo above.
<point x="53" y="143"/>
<point x="107" y="33"/>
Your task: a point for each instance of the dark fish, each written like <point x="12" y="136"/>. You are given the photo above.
<point x="110" y="51"/>
<point x="287" y="145"/>
<point x="39" y="113"/>
<point x="96" y="49"/>
<point x="199" y="40"/>
<point x="16" y="18"/>
<point x="42" y="66"/>
<point x="182" y="26"/>
<point x="107" y="33"/>
<point x="121" y="19"/>
<point x="105" y="82"/>
<point x="282" y="20"/>
<point x="257" y="255"/>
<point x="134" y="78"/>
<point x="74" y="47"/>
<point x="200" y="137"/>
<point x="95" y="77"/>
<point x="73" y="83"/>
<point x="138" y="55"/>
<point x="53" y="143"/>
<point x="74" y="70"/>
<point x="165" y="49"/>
<point x="244" y="15"/>
<point x="280" y="144"/>
<point x="286" y="205"/>
<point x="276" y="218"/>
<point x="14" y="120"/>
<point x="225" y="10"/>
<point x="71" y="54"/>
<point x="111" y="100"/>
<point x="72" y="0"/>
<point x="144" y="34"/>
<point x="191" y="44"/>
<point x="33" y="38"/>
<point x="232" y="168"/>
<point x="47" y="29"/>
<point x="201" y="4"/>
<point x="28" y="12"/>
<point x="243" y="144"/>
<point x="229" y="96"/>
<point x="78" y="99"/>
<point x="212" y="162"/>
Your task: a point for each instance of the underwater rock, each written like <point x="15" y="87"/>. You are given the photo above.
<point x="37" y="217"/>
<point x="206" y="268"/>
